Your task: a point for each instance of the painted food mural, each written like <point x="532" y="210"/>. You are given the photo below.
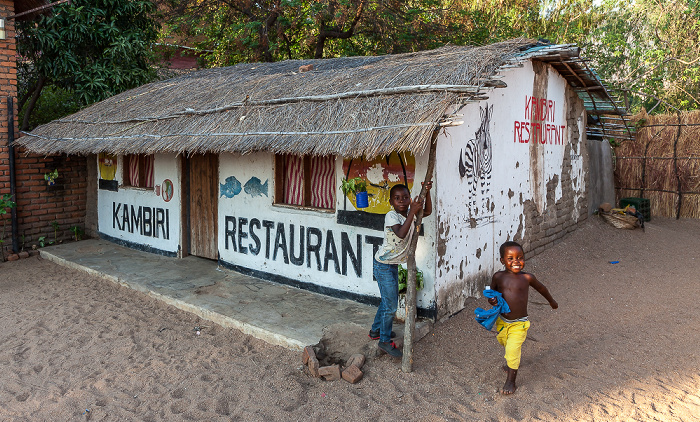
<point x="381" y="173"/>
<point x="108" y="166"/>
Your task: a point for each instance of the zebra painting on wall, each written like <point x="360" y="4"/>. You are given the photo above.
<point x="475" y="158"/>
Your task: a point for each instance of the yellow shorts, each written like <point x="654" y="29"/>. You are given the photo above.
<point x="512" y="335"/>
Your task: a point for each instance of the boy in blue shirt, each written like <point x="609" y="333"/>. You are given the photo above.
<point x="514" y="284"/>
<point x="398" y="231"/>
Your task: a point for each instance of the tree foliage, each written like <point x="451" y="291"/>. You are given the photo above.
<point x="96" y="48"/>
<point x="88" y="50"/>
<point x="651" y="48"/>
<point x="648" y="47"/>
<point x="243" y="31"/>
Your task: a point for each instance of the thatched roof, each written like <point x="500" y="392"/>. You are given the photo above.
<point x="348" y="106"/>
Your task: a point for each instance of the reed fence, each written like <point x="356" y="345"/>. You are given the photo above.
<point x="662" y="164"/>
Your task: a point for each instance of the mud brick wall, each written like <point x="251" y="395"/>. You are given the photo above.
<point x="38" y="204"/>
<point x="564" y="215"/>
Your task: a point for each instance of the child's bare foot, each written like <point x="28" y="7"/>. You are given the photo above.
<point x="509" y="387"/>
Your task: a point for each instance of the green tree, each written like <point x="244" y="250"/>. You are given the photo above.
<point x="651" y="50"/>
<point x="237" y="31"/>
<point x="86" y="51"/>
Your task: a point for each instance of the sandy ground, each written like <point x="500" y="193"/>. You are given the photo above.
<point x="623" y="345"/>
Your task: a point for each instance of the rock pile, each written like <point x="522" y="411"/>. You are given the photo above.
<point x="350" y="372"/>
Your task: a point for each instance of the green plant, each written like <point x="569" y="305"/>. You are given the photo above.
<point x="403" y="276"/>
<point x="55" y="226"/>
<point x="354" y="185"/>
<point x="77" y="232"/>
<point x="51" y="176"/>
<point x="5" y="203"/>
<point x="42" y="241"/>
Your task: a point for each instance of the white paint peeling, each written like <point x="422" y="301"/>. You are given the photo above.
<point x="375" y="174"/>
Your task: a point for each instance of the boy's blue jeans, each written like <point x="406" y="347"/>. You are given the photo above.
<point x="387" y="276"/>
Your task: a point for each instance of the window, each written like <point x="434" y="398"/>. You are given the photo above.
<point x="138" y="171"/>
<point x="305" y="181"/>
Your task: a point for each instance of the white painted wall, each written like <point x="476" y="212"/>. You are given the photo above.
<point x="475" y="219"/>
<point x="247" y="206"/>
<point x="165" y="167"/>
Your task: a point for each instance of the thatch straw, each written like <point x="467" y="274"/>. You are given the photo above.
<point x="348" y="106"/>
<point x="646" y="167"/>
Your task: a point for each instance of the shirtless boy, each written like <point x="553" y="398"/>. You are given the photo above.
<point x="513" y="283"/>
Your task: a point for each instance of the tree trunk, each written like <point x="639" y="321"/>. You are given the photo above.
<point x="409" y="330"/>
<point x="32" y="102"/>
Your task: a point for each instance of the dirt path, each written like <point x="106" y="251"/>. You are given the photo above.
<point x="622" y="346"/>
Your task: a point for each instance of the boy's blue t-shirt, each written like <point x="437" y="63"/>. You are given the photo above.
<point x="487" y="317"/>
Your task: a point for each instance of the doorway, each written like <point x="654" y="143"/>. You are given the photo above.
<point x="203" y="179"/>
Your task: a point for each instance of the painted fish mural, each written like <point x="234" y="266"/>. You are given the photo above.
<point x="231" y="188"/>
<point x="254" y="188"/>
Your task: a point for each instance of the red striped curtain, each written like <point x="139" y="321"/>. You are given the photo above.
<point x="136" y="164"/>
<point x="133" y="170"/>
<point x="322" y="181"/>
<point x="294" y="180"/>
<point x="148" y="161"/>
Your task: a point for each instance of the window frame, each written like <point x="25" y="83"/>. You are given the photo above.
<point x="280" y="181"/>
<point x="126" y="179"/>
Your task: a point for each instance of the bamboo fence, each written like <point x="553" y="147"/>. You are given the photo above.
<point x="662" y="164"/>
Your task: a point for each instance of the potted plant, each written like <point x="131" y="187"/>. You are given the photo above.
<point x="51" y="177"/>
<point x="358" y="186"/>
<point x="403" y="277"/>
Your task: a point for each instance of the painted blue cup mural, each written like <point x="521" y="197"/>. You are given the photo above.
<point x="361" y="200"/>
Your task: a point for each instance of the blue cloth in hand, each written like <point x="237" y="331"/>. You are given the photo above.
<point x="487" y="317"/>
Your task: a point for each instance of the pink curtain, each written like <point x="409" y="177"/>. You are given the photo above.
<point x="322" y="182"/>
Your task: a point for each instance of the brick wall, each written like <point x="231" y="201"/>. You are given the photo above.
<point x="38" y="205"/>
<point x="8" y="87"/>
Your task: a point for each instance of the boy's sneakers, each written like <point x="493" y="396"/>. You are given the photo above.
<point x="390" y="349"/>
<point x="374" y="335"/>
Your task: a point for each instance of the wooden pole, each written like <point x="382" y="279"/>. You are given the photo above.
<point x="409" y="330"/>
<point x="675" y="167"/>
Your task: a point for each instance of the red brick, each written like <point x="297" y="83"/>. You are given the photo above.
<point x="330" y="373"/>
<point x="313" y="366"/>
<point x="357" y="359"/>
<point x="13" y="257"/>
<point x="23" y="254"/>
<point x="308" y="351"/>
<point x="352" y="374"/>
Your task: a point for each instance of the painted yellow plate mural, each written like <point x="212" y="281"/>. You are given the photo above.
<point x="381" y="174"/>
<point x="108" y="166"/>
